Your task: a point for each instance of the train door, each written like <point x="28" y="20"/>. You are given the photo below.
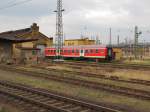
<point x="110" y="54"/>
<point x="81" y="53"/>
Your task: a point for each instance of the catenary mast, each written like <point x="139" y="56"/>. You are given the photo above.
<point x="59" y="28"/>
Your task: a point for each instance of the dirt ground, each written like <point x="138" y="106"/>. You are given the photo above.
<point x="7" y="106"/>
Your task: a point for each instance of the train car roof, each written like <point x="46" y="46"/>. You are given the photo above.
<point x="84" y="46"/>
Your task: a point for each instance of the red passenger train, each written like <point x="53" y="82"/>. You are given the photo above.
<point x="84" y="51"/>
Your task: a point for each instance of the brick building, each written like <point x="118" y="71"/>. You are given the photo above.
<point x="76" y="42"/>
<point x="6" y="47"/>
<point x="32" y="32"/>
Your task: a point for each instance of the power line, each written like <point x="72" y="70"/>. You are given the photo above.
<point x="14" y="4"/>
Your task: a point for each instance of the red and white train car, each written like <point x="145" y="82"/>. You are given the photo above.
<point x="85" y="51"/>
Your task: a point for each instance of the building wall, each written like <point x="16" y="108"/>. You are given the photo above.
<point x="42" y="40"/>
<point x="118" y="54"/>
<point x="5" y="51"/>
<point x="29" y="56"/>
<point x="76" y="42"/>
<point x="16" y="50"/>
<point x="141" y="52"/>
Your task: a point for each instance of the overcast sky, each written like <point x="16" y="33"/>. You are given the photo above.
<point x="86" y="17"/>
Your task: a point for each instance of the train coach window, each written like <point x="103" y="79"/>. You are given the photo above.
<point x="72" y="51"/>
<point x="102" y="51"/>
<point x="96" y="50"/>
<point x="77" y="51"/>
<point x="86" y="51"/>
<point x="91" y="51"/>
<point x="49" y="51"/>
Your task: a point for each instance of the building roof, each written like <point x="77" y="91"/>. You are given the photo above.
<point x="29" y="48"/>
<point x="20" y="35"/>
<point x="16" y="32"/>
<point x="14" y="39"/>
<point x="84" y="46"/>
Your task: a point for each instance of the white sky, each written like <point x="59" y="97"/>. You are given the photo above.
<point x="87" y="17"/>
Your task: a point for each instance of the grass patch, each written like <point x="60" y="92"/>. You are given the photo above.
<point x="3" y="109"/>
<point x="139" y="62"/>
<point x="105" y="81"/>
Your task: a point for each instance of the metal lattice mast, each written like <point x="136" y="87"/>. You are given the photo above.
<point x="59" y="28"/>
<point x="137" y="34"/>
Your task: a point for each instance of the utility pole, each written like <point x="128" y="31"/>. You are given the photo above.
<point x="137" y="33"/>
<point x="126" y="47"/>
<point x="110" y="38"/>
<point x="59" y="29"/>
<point x="97" y="40"/>
<point x="118" y="40"/>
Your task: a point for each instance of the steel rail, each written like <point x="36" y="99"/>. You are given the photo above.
<point x="49" y="101"/>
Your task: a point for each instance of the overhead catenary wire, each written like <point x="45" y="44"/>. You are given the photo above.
<point x="14" y="4"/>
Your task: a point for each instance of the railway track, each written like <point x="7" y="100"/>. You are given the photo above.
<point x="112" y="78"/>
<point x="41" y="101"/>
<point x="136" y="93"/>
<point x="111" y="65"/>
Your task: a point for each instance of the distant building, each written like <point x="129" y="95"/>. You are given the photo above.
<point x="76" y="42"/>
<point x="128" y="50"/>
<point x="28" y="33"/>
<point x="117" y="53"/>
